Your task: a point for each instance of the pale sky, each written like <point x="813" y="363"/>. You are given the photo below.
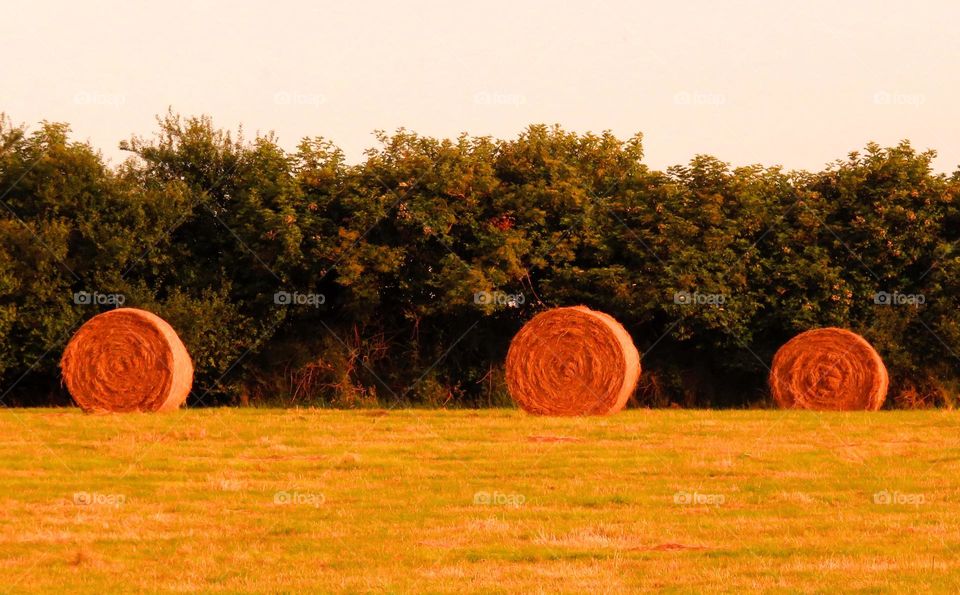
<point x="791" y="83"/>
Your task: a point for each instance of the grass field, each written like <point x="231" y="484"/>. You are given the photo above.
<point x="232" y="500"/>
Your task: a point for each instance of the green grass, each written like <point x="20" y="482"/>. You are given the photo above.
<point x="385" y="501"/>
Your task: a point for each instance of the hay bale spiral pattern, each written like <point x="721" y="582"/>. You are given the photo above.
<point x="572" y="361"/>
<point x="127" y="360"/>
<point x="828" y="369"/>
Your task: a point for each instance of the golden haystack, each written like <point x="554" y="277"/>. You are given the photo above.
<point x="828" y="369"/>
<point x="127" y="360"/>
<point x="572" y="361"/>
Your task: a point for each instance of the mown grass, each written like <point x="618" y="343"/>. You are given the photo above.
<point x="385" y="501"/>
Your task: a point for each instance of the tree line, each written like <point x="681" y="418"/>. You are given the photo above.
<point x="297" y="278"/>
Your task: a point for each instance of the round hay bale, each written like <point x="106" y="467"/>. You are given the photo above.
<point x="572" y="361"/>
<point x="828" y="369"/>
<point x="127" y="360"/>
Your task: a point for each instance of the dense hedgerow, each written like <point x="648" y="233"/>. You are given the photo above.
<point x="299" y="278"/>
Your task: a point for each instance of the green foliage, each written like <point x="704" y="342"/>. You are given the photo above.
<point x="420" y="262"/>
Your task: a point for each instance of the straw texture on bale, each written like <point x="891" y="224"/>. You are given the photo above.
<point x="127" y="360"/>
<point x="828" y="369"/>
<point x="572" y="361"/>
